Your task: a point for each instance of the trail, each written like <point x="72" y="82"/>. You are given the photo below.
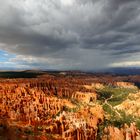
<point x="106" y="102"/>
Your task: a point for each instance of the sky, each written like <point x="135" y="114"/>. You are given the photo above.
<point x="69" y="34"/>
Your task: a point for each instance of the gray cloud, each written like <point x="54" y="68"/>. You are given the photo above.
<point x="83" y="34"/>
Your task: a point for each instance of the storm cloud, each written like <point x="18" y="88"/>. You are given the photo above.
<point x="70" y="34"/>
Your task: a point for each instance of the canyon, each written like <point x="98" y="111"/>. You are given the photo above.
<point x="70" y="106"/>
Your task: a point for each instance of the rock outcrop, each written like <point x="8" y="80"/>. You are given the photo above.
<point x="125" y="133"/>
<point x="64" y="107"/>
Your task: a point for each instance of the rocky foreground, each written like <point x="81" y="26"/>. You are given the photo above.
<point x="69" y="107"/>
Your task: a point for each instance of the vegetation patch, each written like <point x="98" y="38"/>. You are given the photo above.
<point x="114" y="95"/>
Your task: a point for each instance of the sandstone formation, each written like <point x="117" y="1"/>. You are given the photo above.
<point x="50" y="106"/>
<point x="131" y="105"/>
<point x="64" y="106"/>
<point x="125" y="85"/>
<point x="125" y="133"/>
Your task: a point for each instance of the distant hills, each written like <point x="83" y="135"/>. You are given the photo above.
<point x="125" y="71"/>
<point x="34" y="73"/>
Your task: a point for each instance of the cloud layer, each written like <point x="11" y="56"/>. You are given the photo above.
<point x="70" y="34"/>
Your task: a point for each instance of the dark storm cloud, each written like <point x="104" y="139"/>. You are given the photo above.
<point x="71" y="29"/>
<point x="127" y="52"/>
